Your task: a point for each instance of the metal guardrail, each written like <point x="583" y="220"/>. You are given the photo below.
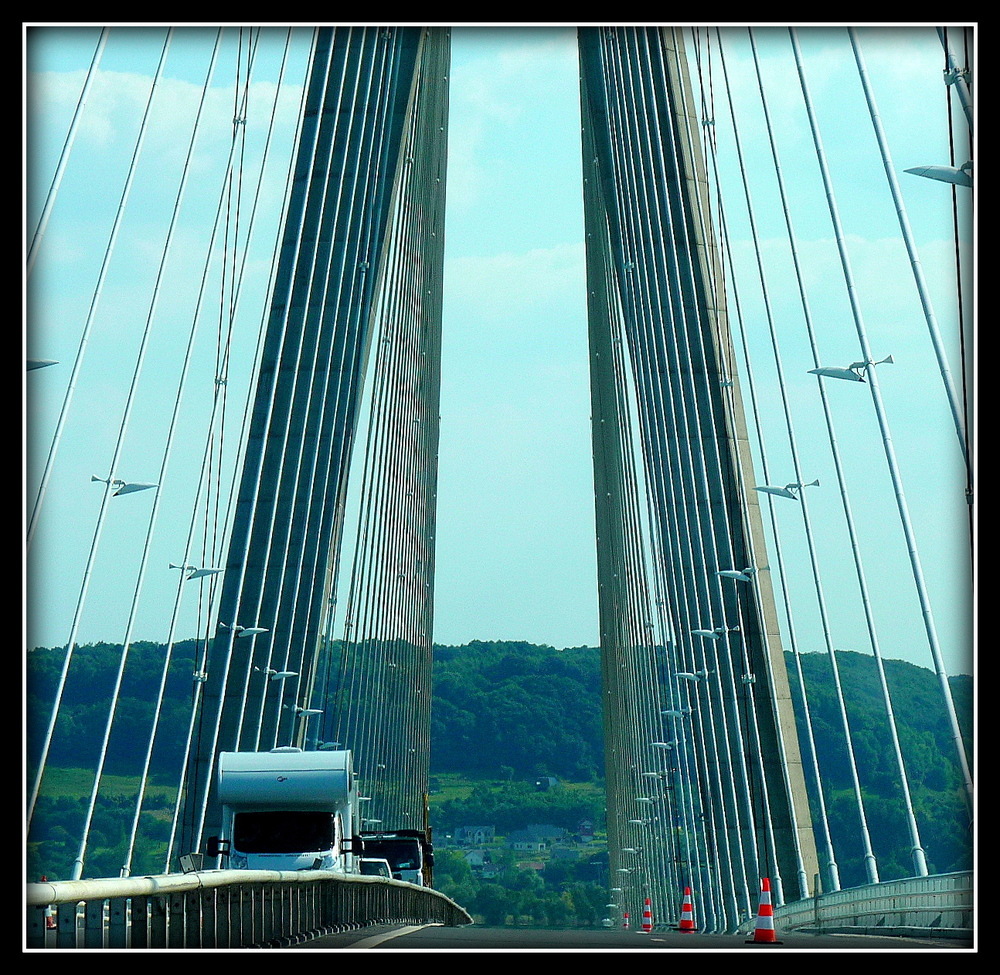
<point x="939" y="906"/>
<point x="224" y="909"/>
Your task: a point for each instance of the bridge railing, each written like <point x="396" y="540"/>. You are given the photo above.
<point x="223" y="909"/>
<point x="938" y="906"/>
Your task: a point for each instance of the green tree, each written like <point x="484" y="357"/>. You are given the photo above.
<point x="492" y="903"/>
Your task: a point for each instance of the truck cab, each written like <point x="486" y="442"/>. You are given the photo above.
<point x="287" y="809"/>
<point x="406" y="851"/>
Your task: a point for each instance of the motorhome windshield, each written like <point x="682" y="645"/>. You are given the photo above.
<point x="282" y="832"/>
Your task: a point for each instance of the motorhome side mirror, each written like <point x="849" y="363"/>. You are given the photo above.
<point x="214" y="847"/>
<point x="357" y="846"/>
<point x="429" y="859"/>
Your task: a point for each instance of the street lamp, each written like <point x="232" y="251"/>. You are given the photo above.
<point x="743" y="575"/>
<point x="855" y="372"/>
<point x="278" y="674"/>
<point x="123" y="487"/>
<point x="197" y="572"/>
<point x="788" y="491"/>
<point x="716" y="633"/>
<point x="243" y="630"/>
<point x="946" y="174"/>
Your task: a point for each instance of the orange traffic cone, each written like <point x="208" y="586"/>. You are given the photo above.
<point x="687" y="914"/>
<point x="647" y="917"/>
<point x="625" y="921"/>
<point x="764" y="931"/>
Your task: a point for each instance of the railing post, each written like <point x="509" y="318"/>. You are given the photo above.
<point x="354" y="900"/>
<point x="66" y="935"/>
<point x="249" y="921"/>
<point x="117" y="921"/>
<point x="296" y="910"/>
<point x="237" y="932"/>
<point x="287" y="903"/>
<point x="319" y="905"/>
<point x="301" y="915"/>
<point x="279" y="912"/>
<point x="329" y="897"/>
<point x="267" y="924"/>
<point x="192" y="919"/>
<point x="175" y="921"/>
<point x="158" y="922"/>
<point x="66" y="926"/>
<point x="223" y="918"/>
<point x="93" y="930"/>
<point x="209" y="917"/>
<point x="35" y="934"/>
<point x="309" y="920"/>
<point x="139" y="928"/>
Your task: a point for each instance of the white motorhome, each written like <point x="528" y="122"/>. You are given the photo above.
<point x="286" y="809"/>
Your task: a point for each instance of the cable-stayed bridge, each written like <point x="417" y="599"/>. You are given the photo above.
<point x="285" y="245"/>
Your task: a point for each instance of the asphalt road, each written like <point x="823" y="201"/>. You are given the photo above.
<point x="476" y="938"/>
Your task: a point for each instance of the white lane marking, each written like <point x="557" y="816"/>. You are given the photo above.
<point x="378" y="939"/>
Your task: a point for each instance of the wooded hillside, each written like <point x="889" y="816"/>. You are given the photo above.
<point x="512" y="712"/>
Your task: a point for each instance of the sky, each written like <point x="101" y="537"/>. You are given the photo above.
<point x="515" y="539"/>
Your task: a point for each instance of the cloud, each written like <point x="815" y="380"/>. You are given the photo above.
<point x="500" y="285"/>
<point x="511" y="89"/>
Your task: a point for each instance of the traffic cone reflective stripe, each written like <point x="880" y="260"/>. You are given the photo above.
<point x="647" y="917"/>
<point x="764" y="930"/>
<point x="687" y="914"/>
